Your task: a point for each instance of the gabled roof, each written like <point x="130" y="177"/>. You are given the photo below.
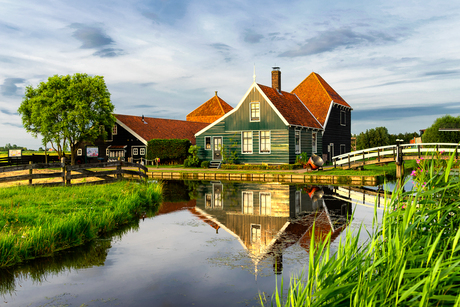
<point x="210" y="111"/>
<point x="290" y="107"/>
<point x="159" y="128"/>
<point x="318" y="96"/>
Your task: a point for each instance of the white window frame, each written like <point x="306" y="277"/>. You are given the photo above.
<point x="114" y="130"/>
<point x="265" y="203"/>
<point x="79" y="152"/>
<point x="135" y="151"/>
<point x="142" y="151"/>
<point x="298" y="202"/>
<point x="107" y="151"/>
<point x="344" y="116"/>
<point x="247" y="207"/>
<point x="255" y="118"/>
<point x="205" y="143"/>
<point x="314" y="142"/>
<point x="269" y="151"/>
<point x="250" y="150"/>
<point x="298" y="150"/>
<point x="256" y="233"/>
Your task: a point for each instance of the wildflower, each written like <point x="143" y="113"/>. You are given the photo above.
<point x="413" y="173"/>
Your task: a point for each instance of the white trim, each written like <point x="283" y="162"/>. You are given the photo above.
<point x="134" y="151"/>
<point x="140" y="151"/>
<point x="328" y="114"/>
<point x="242" y="143"/>
<point x="250" y="112"/>
<point x="79" y="152"/>
<point x="253" y="86"/>
<point x="300" y="141"/>
<point x="314" y="149"/>
<point x="251" y="197"/>
<point x="132" y="132"/>
<point x="269" y="139"/>
<point x="345" y="117"/>
<point x="260" y="202"/>
<point x="322" y="127"/>
<point x="210" y="144"/>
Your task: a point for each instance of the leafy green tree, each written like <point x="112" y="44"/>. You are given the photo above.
<point x="406" y="137"/>
<point x="433" y="135"/>
<point x="373" y="138"/>
<point x="67" y="110"/>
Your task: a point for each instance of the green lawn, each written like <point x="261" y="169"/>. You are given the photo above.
<point x="37" y="221"/>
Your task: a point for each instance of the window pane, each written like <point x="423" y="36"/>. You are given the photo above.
<point x="247" y="142"/>
<point x="255" y="111"/>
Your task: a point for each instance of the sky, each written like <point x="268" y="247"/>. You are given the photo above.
<point x="396" y="63"/>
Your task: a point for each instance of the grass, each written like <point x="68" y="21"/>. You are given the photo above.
<point x="38" y="221"/>
<point x="411" y="259"/>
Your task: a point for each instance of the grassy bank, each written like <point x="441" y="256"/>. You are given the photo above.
<point x="411" y="259"/>
<point x="37" y="221"/>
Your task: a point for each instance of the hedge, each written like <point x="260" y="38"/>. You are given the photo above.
<point x="169" y="151"/>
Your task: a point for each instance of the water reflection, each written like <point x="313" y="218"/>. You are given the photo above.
<point x="204" y="246"/>
<point x="270" y="217"/>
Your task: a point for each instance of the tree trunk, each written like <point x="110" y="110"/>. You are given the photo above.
<point x="73" y="153"/>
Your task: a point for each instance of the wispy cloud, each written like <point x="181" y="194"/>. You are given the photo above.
<point x="7" y="112"/>
<point x="91" y="36"/>
<point x="330" y="40"/>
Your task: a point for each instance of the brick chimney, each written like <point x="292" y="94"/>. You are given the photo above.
<point x="276" y="78"/>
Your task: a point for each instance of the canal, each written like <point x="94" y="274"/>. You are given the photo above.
<point x="212" y="243"/>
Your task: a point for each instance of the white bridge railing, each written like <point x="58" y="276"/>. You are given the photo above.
<point x="376" y="154"/>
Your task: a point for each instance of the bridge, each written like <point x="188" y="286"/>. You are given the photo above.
<point x="393" y="153"/>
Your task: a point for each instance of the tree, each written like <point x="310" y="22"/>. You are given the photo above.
<point x="433" y="135"/>
<point x="373" y="138"/>
<point x="67" y="110"/>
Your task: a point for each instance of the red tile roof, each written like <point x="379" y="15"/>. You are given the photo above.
<point x="160" y="128"/>
<point x="210" y="111"/>
<point x="290" y="107"/>
<point x="317" y="95"/>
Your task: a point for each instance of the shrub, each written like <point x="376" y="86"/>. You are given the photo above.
<point x="192" y="160"/>
<point x="205" y="164"/>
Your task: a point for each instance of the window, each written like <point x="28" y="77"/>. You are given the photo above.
<point x="297" y="141"/>
<point x="255" y="233"/>
<point x="79" y="152"/>
<point x="208" y="200"/>
<point x="342" y="149"/>
<point x="255" y="111"/>
<point x="114" y="129"/>
<point x="248" y="207"/>
<point x="142" y="151"/>
<point x="297" y="201"/>
<point x="265" y="146"/>
<point x="247" y="142"/>
<point x="265" y="204"/>
<point x="107" y="151"/>
<point x="343" y="118"/>
<point x="313" y="142"/>
<point x="135" y="152"/>
<point x="207" y="142"/>
<point x="217" y="193"/>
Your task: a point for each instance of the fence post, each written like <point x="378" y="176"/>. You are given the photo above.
<point x="63" y="170"/>
<point x="349" y="164"/>
<point x="30" y="173"/>
<point x="364" y="158"/>
<point x="418" y="147"/>
<point x="119" y="168"/>
<point x="456" y="153"/>
<point x="378" y="154"/>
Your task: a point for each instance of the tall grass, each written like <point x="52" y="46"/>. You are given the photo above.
<point x="411" y="259"/>
<point x="37" y="221"/>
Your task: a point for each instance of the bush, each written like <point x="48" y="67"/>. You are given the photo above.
<point x="205" y="164"/>
<point x="192" y="160"/>
<point x="169" y="151"/>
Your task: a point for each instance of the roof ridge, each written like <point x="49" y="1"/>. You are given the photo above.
<point x="220" y="104"/>
<point x="322" y="86"/>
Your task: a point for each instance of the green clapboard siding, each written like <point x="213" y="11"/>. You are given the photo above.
<point x="282" y="137"/>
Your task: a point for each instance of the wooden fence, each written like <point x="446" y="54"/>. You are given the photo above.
<point x="26" y="159"/>
<point x="69" y="174"/>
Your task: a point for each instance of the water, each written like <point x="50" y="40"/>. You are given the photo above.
<point x="211" y="244"/>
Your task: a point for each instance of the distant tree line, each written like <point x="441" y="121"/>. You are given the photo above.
<point x="379" y="136"/>
<point x="8" y="146"/>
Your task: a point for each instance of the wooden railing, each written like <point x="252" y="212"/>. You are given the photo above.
<point x="385" y="154"/>
<point x="69" y="174"/>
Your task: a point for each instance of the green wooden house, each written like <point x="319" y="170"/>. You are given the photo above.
<point x="267" y="126"/>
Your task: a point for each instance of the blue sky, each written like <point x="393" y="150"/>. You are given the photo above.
<point x="397" y="63"/>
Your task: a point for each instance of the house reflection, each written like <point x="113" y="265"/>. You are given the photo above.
<point x="267" y="218"/>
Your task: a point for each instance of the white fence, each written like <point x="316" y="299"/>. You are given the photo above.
<point x="408" y="151"/>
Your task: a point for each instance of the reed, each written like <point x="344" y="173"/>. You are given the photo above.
<point x="38" y="221"/>
<point x="411" y="259"/>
